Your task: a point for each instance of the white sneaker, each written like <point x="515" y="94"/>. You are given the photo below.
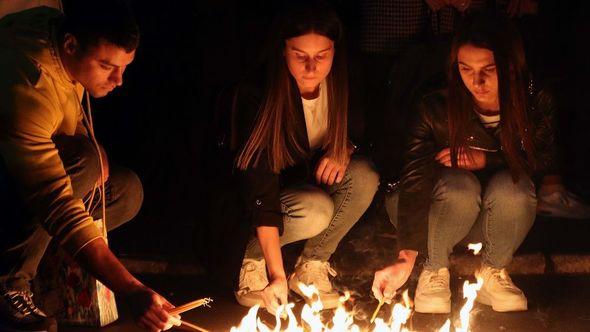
<point x="316" y="273"/>
<point x="433" y="293"/>
<point x="562" y="204"/>
<point x="499" y="291"/>
<point x="253" y="280"/>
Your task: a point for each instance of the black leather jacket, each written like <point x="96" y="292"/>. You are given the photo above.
<point x="428" y="133"/>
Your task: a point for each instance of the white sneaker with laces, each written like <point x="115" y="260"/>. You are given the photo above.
<point x="315" y="273"/>
<point x="499" y="291"/>
<point x="562" y="204"/>
<point x="433" y="293"/>
<point x="253" y="280"/>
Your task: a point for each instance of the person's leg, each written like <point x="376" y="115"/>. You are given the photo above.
<point x="508" y="213"/>
<point x="19" y="260"/>
<point x="456" y="203"/>
<point x="307" y="211"/>
<point x="456" y="200"/>
<point x="351" y="197"/>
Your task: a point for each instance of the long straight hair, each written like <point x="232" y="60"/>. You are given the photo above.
<point x="274" y="134"/>
<point x="497" y="34"/>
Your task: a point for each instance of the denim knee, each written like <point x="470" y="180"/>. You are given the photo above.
<point x="315" y="208"/>
<point x="364" y="177"/>
<point x="457" y="186"/>
<point x="502" y="192"/>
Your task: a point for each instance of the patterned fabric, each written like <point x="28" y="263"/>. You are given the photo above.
<point x="387" y="26"/>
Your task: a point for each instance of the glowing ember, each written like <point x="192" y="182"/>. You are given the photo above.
<point x="476" y="247"/>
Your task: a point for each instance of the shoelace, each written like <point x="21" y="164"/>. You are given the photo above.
<point x="319" y="272"/>
<point x="254" y="274"/>
<point x="437" y="281"/>
<point x="23" y="303"/>
<point x="502" y="278"/>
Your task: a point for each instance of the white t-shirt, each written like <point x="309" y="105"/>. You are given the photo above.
<point x="316" y="117"/>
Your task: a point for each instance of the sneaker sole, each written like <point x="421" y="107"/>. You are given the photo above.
<point x="425" y="306"/>
<point x="484" y="298"/>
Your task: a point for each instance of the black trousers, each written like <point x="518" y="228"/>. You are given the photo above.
<point x="23" y="241"/>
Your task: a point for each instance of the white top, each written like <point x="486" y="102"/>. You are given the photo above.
<point x="489" y="121"/>
<point x="316" y="117"/>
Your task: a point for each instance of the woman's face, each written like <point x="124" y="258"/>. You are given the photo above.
<point x="478" y="72"/>
<point x="309" y="58"/>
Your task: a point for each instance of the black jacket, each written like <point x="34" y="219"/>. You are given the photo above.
<point x="429" y="133"/>
<point x="242" y="200"/>
<point x="258" y="186"/>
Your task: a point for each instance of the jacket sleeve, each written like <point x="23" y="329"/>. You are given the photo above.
<point x="259" y="186"/>
<point x="27" y="122"/>
<point x="417" y="182"/>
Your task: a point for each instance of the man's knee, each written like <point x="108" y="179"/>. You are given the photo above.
<point x="80" y="161"/>
<point x="126" y="186"/>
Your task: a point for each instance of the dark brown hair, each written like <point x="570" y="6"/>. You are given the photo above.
<point x="499" y="35"/>
<point x="274" y="134"/>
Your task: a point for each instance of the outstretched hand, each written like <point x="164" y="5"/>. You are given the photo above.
<point x="275" y="294"/>
<point x="388" y="280"/>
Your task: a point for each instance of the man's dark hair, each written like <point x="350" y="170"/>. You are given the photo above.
<point x="95" y="21"/>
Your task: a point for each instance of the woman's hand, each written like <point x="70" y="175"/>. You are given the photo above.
<point x="388" y="280"/>
<point x="329" y="171"/>
<point x="468" y="159"/>
<point x="275" y="294"/>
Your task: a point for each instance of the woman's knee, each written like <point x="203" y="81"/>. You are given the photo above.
<point x="457" y="186"/>
<point x="361" y="172"/>
<point x="314" y="208"/>
<point x="504" y="191"/>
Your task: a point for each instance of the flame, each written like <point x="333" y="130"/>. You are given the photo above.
<point x="476" y="247"/>
<point x="343" y="320"/>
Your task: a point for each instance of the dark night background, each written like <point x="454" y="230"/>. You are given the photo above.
<point x="161" y="122"/>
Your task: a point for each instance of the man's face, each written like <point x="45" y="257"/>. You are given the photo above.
<point x="100" y="68"/>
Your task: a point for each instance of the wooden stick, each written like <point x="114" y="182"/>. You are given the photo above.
<point x="376" y="311"/>
<point x="189" y="306"/>
<point x="193" y="326"/>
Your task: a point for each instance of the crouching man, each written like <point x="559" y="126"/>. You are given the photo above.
<point x="54" y="177"/>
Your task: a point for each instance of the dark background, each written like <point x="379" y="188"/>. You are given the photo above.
<point x="161" y="122"/>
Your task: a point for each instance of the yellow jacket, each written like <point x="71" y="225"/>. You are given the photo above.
<point x="38" y="101"/>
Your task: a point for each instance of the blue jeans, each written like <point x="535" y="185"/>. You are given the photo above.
<point x="324" y="214"/>
<point x="499" y="215"/>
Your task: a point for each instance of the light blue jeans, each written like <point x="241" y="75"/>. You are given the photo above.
<point x="499" y="215"/>
<point x="324" y="214"/>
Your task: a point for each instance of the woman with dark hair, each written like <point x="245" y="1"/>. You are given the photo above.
<point x="470" y="158"/>
<point x="298" y="175"/>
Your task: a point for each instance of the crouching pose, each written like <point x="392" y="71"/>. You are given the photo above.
<point x="472" y="153"/>
<point x="299" y="176"/>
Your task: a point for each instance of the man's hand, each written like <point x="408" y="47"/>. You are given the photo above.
<point x="275" y="294"/>
<point x="435" y="5"/>
<point x="388" y="280"/>
<point x="461" y="5"/>
<point x="150" y="310"/>
<point x="470" y="159"/>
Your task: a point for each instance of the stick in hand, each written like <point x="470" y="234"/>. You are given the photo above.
<point x="377" y="310"/>
<point x="190" y="306"/>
